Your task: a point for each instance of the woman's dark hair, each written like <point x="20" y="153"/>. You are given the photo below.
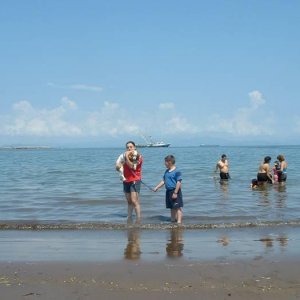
<point x="267" y="159"/>
<point x="130" y="142"/>
<point x="170" y="158"/>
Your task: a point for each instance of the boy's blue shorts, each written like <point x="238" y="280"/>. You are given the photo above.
<point x="173" y="203"/>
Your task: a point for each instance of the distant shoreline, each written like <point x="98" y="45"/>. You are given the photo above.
<point x="25" y="147"/>
<point x="121" y="147"/>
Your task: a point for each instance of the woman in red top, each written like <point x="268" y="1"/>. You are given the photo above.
<point x="132" y="183"/>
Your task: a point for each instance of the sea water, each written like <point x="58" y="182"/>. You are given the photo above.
<point x="81" y="186"/>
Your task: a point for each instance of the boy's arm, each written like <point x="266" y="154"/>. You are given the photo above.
<point x="178" y="186"/>
<point x="162" y="183"/>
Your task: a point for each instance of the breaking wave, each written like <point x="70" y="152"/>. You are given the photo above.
<point x="119" y="226"/>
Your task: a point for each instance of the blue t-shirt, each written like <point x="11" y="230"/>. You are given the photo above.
<point x="171" y="179"/>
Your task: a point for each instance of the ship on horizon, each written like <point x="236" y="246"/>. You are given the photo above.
<point x="149" y="143"/>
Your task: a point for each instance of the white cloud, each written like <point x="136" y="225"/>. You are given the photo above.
<point x="22" y="106"/>
<point x="167" y="105"/>
<point x="112" y="120"/>
<point x="29" y="121"/>
<point x="111" y="105"/>
<point x="109" y="120"/>
<point x="68" y="103"/>
<point x="178" y="124"/>
<point x="85" y="87"/>
<point x="79" y="86"/>
<point x="245" y="121"/>
<point x="256" y="99"/>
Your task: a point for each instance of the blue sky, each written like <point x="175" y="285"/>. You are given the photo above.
<point x="189" y="72"/>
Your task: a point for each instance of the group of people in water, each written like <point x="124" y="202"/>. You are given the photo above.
<point x="129" y="165"/>
<point x="266" y="174"/>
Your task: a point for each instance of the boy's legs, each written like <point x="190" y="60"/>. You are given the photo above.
<point x="176" y="215"/>
<point x="179" y="215"/>
<point x="173" y="215"/>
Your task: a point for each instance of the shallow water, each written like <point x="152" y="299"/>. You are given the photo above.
<point x="81" y="186"/>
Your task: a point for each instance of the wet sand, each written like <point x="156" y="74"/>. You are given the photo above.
<point x="134" y="264"/>
<point x="123" y="280"/>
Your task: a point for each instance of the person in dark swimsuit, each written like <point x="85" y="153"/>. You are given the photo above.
<point x="223" y="166"/>
<point x="264" y="172"/>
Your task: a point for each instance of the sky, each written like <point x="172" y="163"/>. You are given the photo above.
<point x="99" y="73"/>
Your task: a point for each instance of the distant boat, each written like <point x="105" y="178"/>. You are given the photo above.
<point x="152" y="144"/>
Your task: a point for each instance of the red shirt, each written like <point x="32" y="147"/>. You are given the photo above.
<point x="133" y="175"/>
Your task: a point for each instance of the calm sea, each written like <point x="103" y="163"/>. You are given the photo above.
<point x="78" y="186"/>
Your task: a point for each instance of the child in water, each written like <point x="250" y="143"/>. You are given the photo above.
<point x="172" y="181"/>
<point x="275" y="170"/>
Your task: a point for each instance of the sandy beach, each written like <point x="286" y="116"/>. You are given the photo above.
<point x="241" y="264"/>
<point x="191" y="280"/>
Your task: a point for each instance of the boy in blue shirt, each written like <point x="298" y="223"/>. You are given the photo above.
<point x="172" y="181"/>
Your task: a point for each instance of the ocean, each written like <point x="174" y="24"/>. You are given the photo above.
<point x="80" y="187"/>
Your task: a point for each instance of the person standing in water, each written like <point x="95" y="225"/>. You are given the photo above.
<point x="132" y="180"/>
<point x="282" y="172"/>
<point x="172" y="181"/>
<point x="223" y="166"/>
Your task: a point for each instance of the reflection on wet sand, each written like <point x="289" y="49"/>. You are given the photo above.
<point x="269" y="241"/>
<point x="175" y="245"/>
<point x="283" y="241"/>
<point x="224" y="240"/>
<point x="133" y="248"/>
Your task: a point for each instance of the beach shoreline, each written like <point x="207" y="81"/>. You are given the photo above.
<point x="252" y="263"/>
<point x="148" y="244"/>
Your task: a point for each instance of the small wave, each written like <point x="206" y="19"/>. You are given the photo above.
<point x="160" y="218"/>
<point x="116" y="226"/>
